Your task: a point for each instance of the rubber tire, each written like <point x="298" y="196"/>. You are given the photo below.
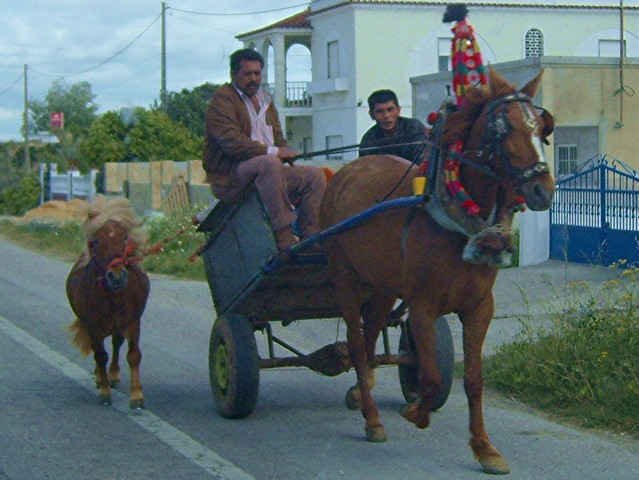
<point x="408" y="376"/>
<point x="237" y="399"/>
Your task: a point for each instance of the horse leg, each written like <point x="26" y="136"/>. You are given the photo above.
<point x="422" y="327"/>
<point x="114" y="367"/>
<point x="134" y="357"/>
<point x="101" y="380"/>
<point x="349" y="299"/>
<point x="374" y="316"/>
<point x="475" y="326"/>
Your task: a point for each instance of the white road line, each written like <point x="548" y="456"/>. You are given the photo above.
<point x="174" y="438"/>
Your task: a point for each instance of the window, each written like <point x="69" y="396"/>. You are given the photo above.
<point x="566" y="159"/>
<point x="307" y="144"/>
<point x="610" y="48"/>
<point x="332" y="51"/>
<point x="334" y="141"/>
<point x="443" y="54"/>
<point x="534" y="43"/>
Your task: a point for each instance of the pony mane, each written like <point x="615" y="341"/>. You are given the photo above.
<point x="459" y="124"/>
<point x="119" y="209"/>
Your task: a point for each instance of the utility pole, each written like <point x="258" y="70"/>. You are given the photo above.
<point x="163" y="67"/>
<point x="622" y="54"/>
<point x="25" y="119"/>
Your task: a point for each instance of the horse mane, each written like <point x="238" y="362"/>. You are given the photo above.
<point x="118" y="209"/>
<point x="459" y="123"/>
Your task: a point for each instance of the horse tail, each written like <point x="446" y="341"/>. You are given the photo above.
<point x="81" y="338"/>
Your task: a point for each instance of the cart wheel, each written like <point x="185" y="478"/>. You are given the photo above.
<point x="233" y="366"/>
<point x="408" y="377"/>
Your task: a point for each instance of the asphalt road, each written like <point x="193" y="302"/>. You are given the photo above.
<point x="51" y="426"/>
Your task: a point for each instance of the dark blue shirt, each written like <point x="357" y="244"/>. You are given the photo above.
<point x="408" y="130"/>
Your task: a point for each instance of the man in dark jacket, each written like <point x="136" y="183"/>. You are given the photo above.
<point x="244" y="144"/>
<point x="392" y="130"/>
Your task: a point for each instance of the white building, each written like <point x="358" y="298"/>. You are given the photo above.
<point x="358" y="46"/>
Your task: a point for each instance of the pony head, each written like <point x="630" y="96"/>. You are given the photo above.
<point x="113" y="234"/>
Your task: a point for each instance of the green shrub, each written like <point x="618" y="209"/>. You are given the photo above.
<point x="16" y="200"/>
<point x="174" y="258"/>
<point x="585" y="367"/>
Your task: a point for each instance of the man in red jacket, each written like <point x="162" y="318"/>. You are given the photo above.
<point x="244" y="144"/>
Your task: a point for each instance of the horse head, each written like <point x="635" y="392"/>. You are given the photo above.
<point x="111" y="252"/>
<point x="507" y="129"/>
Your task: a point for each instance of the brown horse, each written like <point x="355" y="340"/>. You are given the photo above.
<point x="404" y="254"/>
<point x="108" y="291"/>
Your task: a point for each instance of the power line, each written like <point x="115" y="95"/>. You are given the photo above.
<point x="228" y="14"/>
<point x="107" y="60"/>
<point x="6" y="89"/>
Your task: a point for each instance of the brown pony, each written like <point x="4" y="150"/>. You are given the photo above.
<point x="406" y="254"/>
<point x="108" y="291"/>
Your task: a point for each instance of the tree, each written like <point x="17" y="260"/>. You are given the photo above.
<point x="105" y="141"/>
<point x="138" y="135"/>
<point x="75" y="101"/>
<point x="188" y="107"/>
<point x="154" y="136"/>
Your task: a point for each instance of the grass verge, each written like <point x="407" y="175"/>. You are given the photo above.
<point x="66" y="241"/>
<point x="584" y="367"/>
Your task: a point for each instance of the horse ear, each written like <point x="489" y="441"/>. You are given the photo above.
<point x="531" y="87"/>
<point x="498" y="84"/>
<point x="549" y="124"/>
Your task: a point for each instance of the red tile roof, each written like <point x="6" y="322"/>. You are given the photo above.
<point x="298" y="20"/>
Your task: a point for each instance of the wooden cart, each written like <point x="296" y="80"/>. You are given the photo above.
<point x="252" y="286"/>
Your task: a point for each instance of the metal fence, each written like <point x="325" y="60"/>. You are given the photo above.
<point x="595" y="214"/>
<point x="66" y="186"/>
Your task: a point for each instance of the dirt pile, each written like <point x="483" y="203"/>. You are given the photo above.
<point x="57" y="211"/>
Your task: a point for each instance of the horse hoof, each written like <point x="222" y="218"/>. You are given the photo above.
<point x="375" y="434"/>
<point x="105" y="399"/>
<point x="411" y="412"/>
<point x="115" y="383"/>
<point x="495" y="465"/>
<point x="136" y="404"/>
<point x="353" y="399"/>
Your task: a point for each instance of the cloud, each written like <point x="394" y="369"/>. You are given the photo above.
<point x="56" y="38"/>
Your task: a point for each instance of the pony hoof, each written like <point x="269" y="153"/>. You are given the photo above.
<point x="375" y="434"/>
<point x="114" y="383"/>
<point x="136" y="404"/>
<point x="105" y="400"/>
<point x="495" y="465"/>
<point x="353" y="399"/>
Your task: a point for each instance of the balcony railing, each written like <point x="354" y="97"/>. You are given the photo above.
<point x="297" y="94"/>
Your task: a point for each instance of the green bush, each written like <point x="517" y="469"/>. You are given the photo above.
<point x="16" y="200"/>
<point x="174" y="259"/>
<point x="585" y="367"/>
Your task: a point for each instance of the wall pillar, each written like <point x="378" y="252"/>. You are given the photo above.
<point x="279" y="57"/>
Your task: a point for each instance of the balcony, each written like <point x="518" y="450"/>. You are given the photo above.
<point x="297" y="94"/>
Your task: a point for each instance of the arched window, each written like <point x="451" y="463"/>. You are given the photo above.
<point x="534" y="43"/>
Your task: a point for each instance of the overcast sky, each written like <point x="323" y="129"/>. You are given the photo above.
<point x="62" y="38"/>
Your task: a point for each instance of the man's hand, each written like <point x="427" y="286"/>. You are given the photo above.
<point x="286" y="154"/>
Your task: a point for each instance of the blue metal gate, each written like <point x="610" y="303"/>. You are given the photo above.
<point x="595" y="215"/>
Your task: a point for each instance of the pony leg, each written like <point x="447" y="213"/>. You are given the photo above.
<point x="374" y="315"/>
<point x="422" y="327"/>
<point x="475" y="326"/>
<point x="114" y="367"/>
<point x="101" y="380"/>
<point x="134" y="357"/>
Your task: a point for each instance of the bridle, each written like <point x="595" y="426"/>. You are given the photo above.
<point x="498" y="128"/>
<point x="125" y="259"/>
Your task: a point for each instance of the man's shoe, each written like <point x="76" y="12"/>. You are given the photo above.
<point x="285" y="238"/>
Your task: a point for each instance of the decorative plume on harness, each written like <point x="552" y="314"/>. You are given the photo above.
<point x="468" y="71"/>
